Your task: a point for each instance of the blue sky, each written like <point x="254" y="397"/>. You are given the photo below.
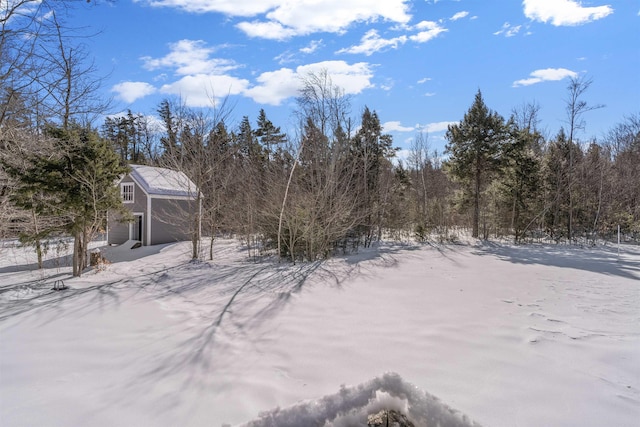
<point x="417" y="63"/>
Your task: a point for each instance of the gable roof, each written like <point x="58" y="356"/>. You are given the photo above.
<point x="163" y="182"/>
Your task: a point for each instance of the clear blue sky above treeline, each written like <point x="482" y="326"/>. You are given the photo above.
<point x="417" y="63"/>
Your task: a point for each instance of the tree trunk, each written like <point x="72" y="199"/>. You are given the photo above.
<point x="77" y="251"/>
<point x="284" y="203"/>
<point x="39" y="253"/>
<point x="86" y="237"/>
<point x="595" y="221"/>
<point x="38" y="243"/>
<point x="476" y="205"/>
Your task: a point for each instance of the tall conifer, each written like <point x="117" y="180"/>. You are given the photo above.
<point x="474" y="148"/>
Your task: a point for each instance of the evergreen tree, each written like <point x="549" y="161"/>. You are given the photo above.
<point x="520" y="178"/>
<point x="371" y="150"/>
<point x="126" y="134"/>
<point x="597" y="188"/>
<point x="75" y="183"/>
<point x="267" y="133"/>
<point x="560" y="161"/>
<point x="247" y="143"/>
<point x="474" y="149"/>
<point x="250" y="179"/>
<point x="218" y="189"/>
<point x="167" y="115"/>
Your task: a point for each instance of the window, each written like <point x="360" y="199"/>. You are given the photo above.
<point x="126" y="191"/>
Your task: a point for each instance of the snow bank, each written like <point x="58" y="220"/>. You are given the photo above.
<point x="352" y="405"/>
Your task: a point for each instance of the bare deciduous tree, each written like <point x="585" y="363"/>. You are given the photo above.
<point x="576" y="106"/>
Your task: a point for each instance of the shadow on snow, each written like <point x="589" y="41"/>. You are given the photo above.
<point x="219" y="303"/>
<point x="604" y="260"/>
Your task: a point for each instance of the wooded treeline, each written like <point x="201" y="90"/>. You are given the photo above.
<point x="335" y="184"/>
<point x="338" y="183"/>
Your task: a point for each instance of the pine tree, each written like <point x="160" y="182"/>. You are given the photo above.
<point x="75" y="183"/>
<point x="520" y="178"/>
<point x="167" y="115"/>
<point x="267" y="133"/>
<point x="126" y="134"/>
<point x="560" y="161"/>
<point x="371" y="150"/>
<point x="474" y="148"/>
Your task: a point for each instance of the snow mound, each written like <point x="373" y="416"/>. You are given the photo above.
<point x="352" y="405"/>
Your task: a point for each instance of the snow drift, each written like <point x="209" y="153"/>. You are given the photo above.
<point x="352" y="405"/>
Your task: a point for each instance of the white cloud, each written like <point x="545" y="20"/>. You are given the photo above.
<point x="396" y="126"/>
<point x="276" y="19"/>
<point x="285" y="57"/>
<point x="160" y="77"/>
<point x="429" y="31"/>
<point x="436" y="127"/>
<point x="508" y="30"/>
<point x="131" y="91"/>
<point x="424" y="80"/>
<point x="309" y="16"/>
<point x="228" y="7"/>
<point x="459" y="15"/>
<point x="353" y="78"/>
<point x="273" y="87"/>
<point x="564" y="12"/>
<point x="544" y="75"/>
<point x="371" y="42"/>
<point x="203" y="79"/>
<point x="266" y="30"/>
<point x="304" y="17"/>
<point x="312" y="47"/>
<point x="200" y="90"/>
<point x="429" y="94"/>
<point x="190" y="57"/>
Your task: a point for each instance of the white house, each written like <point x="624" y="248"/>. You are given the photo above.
<point x="164" y="204"/>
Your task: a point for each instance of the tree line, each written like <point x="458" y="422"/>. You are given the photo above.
<point x="338" y="183"/>
<point x="335" y="184"/>
<point x="514" y="181"/>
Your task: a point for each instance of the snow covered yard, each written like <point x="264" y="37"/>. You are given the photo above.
<point x="509" y="336"/>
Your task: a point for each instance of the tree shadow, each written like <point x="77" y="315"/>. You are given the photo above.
<point x="224" y="302"/>
<point x="48" y="264"/>
<point x="113" y="254"/>
<point x="36" y="291"/>
<point x="249" y="296"/>
<point x="118" y="254"/>
<point x="603" y="260"/>
<point x="51" y="303"/>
